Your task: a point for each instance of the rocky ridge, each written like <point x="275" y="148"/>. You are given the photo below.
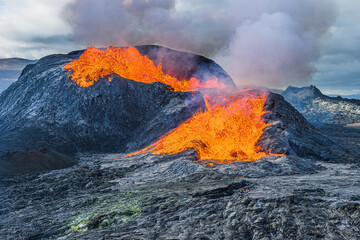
<point x="320" y="109"/>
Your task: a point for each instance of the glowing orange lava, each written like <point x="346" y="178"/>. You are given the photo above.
<point x="228" y="130"/>
<point x="128" y="63"/>
<point x="225" y="132"/>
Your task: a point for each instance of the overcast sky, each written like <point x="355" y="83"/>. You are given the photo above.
<point x="338" y="68"/>
<point x="35" y="28"/>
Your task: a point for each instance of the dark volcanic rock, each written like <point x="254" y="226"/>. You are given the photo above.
<point x="283" y="166"/>
<point x="44" y="108"/>
<point x="173" y="197"/>
<point x="320" y="109"/>
<point x="185" y="65"/>
<point x="35" y="161"/>
<point x="291" y="134"/>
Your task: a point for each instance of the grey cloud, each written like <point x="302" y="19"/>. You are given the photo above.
<point x="49" y="40"/>
<point x="264" y="42"/>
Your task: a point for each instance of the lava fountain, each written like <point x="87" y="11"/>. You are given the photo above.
<point x="228" y="130"/>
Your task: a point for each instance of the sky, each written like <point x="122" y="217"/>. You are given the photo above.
<point x="338" y="68"/>
<point x="298" y="42"/>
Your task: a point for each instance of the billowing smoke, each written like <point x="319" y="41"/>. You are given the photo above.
<point x="260" y="43"/>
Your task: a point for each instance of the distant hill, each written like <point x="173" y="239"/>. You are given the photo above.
<point x="352" y="96"/>
<point x="320" y="109"/>
<point x="10" y="70"/>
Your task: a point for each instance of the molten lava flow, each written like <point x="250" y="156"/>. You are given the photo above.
<point x="128" y="63"/>
<point x="228" y="130"/>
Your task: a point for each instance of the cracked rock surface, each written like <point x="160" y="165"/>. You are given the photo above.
<point x="174" y="197"/>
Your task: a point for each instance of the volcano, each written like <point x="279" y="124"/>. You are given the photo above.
<point x="45" y="108"/>
<point x="93" y="101"/>
<point x="179" y="153"/>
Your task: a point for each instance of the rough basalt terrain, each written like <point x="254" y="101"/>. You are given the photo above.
<point x="174" y="197"/>
<point x="34" y="161"/>
<point x="291" y="134"/>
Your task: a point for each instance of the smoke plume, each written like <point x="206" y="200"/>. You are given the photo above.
<point x="260" y="43"/>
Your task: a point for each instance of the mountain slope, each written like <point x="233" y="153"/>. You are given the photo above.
<point x="320" y="109"/>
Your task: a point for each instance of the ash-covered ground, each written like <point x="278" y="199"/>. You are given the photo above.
<point x="174" y="197"/>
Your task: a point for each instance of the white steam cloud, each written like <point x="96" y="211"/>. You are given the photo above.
<point x="267" y="43"/>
